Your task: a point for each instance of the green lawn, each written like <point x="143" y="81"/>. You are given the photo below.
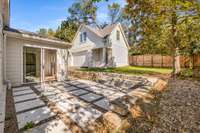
<point x="131" y="70"/>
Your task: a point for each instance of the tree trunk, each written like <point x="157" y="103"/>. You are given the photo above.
<point x="176" y="62"/>
<point x="191" y="62"/>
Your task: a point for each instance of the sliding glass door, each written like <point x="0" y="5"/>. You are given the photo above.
<point x="31" y="64"/>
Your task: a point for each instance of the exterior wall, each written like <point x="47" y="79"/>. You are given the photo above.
<point x="14" y="59"/>
<point x="119" y="49"/>
<point x="1" y="47"/>
<point x="62" y="64"/>
<point x="92" y="41"/>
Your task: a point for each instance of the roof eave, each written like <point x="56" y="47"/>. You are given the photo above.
<point x="36" y="38"/>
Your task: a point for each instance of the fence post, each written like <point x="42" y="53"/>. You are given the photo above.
<point x="151" y="60"/>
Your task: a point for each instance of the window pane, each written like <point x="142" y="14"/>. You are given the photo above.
<point x="118" y="35"/>
<point x="31" y="64"/>
<point x="85" y="36"/>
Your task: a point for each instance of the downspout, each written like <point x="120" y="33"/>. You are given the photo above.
<point x="4" y="58"/>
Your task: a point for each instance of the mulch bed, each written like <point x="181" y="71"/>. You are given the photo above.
<point x="177" y="110"/>
<point x="10" y="117"/>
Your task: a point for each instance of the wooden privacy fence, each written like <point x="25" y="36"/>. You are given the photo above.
<point x="162" y="61"/>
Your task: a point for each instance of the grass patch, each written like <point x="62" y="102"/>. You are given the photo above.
<point x="186" y="73"/>
<point x="132" y="70"/>
<point x="29" y="125"/>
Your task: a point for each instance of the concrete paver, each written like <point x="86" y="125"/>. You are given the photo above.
<point x="25" y="97"/>
<point x="21" y="88"/>
<point x="79" y="92"/>
<point x="103" y="103"/>
<point x="55" y="126"/>
<point x="90" y="97"/>
<point x="70" y="88"/>
<point x="34" y="116"/>
<point x="28" y="105"/>
<point x="27" y="91"/>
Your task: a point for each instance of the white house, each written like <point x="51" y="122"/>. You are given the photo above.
<point x="26" y="57"/>
<point x="95" y="47"/>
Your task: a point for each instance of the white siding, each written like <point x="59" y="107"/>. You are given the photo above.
<point x="1" y="48"/>
<point x="14" y="59"/>
<point x="119" y="49"/>
<point x="92" y="41"/>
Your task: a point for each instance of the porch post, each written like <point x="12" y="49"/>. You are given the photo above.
<point x="104" y="56"/>
<point x="42" y="65"/>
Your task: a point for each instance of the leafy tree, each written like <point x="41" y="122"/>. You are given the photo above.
<point x="42" y="32"/>
<point x="83" y="11"/>
<point x="67" y="30"/>
<point x="46" y="32"/>
<point x="114" y="12"/>
<point x="160" y="24"/>
<point x="50" y="32"/>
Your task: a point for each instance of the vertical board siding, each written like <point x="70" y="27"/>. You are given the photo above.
<point x="13" y="61"/>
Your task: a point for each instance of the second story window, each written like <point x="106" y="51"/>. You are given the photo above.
<point x="118" y="35"/>
<point x="83" y="37"/>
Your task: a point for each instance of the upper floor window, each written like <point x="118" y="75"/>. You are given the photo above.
<point x="83" y="37"/>
<point x="118" y="35"/>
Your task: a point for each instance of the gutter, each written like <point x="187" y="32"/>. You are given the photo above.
<point x="37" y="39"/>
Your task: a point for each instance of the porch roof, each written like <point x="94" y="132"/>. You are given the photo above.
<point x="31" y="36"/>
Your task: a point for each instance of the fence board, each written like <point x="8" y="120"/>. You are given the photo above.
<point x="162" y="61"/>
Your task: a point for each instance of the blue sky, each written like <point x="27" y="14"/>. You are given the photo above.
<point x="34" y="14"/>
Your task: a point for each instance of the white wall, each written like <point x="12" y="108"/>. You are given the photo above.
<point x="14" y="59"/>
<point x="119" y="49"/>
<point x="1" y="47"/>
<point x="92" y="41"/>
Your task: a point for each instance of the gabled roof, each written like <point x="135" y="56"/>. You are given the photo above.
<point x="102" y="33"/>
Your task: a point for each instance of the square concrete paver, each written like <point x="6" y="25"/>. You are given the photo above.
<point x="55" y="126"/>
<point x="21" y="88"/>
<point x="103" y="103"/>
<point x="79" y="92"/>
<point x="25" y="97"/>
<point x="82" y="85"/>
<point x="70" y="88"/>
<point x="85" y="116"/>
<point x="34" y="116"/>
<point x="28" y="105"/>
<point x="90" y="97"/>
<point x="27" y="91"/>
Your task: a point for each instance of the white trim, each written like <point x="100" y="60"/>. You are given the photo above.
<point x="123" y="34"/>
<point x="80" y="27"/>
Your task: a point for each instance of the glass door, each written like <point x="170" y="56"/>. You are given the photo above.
<point x="31" y="64"/>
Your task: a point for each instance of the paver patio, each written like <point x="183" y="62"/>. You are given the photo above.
<point x="81" y="100"/>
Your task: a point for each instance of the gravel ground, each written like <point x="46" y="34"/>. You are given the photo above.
<point x="177" y="110"/>
<point x="180" y="108"/>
